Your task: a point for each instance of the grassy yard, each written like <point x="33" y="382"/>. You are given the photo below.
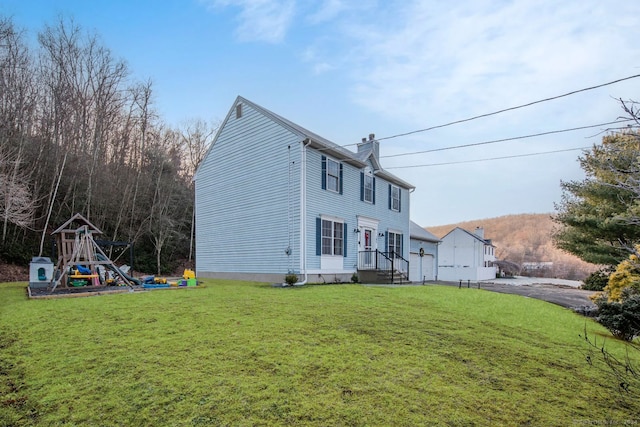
<point x="245" y="354"/>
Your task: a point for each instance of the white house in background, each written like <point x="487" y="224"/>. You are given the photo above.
<point x="423" y="254"/>
<point x="272" y="197"/>
<point x="463" y="255"/>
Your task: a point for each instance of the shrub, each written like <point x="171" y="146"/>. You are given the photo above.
<point x="290" y="279"/>
<point x="355" y="278"/>
<point x="626" y="275"/>
<point x="621" y="318"/>
<point x="597" y="280"/>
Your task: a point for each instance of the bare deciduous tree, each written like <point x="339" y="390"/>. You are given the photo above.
<point x="197" y="136"/>
<point x="17" y="108"/>
<point x="77" y="135"/>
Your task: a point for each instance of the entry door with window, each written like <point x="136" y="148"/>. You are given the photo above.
<point x="368" y="247"/>
<point x="367" y="242"/>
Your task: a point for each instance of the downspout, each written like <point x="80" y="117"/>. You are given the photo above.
<point x="303" y="212"/>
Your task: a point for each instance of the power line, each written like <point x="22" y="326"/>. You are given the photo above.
<point x="508" y="109"/>
<point x="486" y="160"/>
<point x="506" y="139"/>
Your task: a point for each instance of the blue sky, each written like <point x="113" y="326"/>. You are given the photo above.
<point x="344" y="69"/>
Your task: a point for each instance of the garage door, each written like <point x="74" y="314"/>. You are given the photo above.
<point x="427" y="267"/>
<point x="415" y="272"/>
<point x="414" y="268"/>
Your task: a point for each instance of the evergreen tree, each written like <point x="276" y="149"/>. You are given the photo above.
<point x="598" y="214"/>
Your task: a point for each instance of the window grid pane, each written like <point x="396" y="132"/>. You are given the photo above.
<point x="337" y="241"/>
<point x="368" y="188"/>
<point x="395" y="198"/>
<point x="326" y="238"/>
<point x="332" y="237"/>
<point x="333" y="183"/>
<point x="333" y="175"/>
<point x="395" y="243"/>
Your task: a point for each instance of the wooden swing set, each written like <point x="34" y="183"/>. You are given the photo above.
<point x="79" y="256"/>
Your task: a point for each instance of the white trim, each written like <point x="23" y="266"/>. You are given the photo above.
<point x="337" y="271"/>
<point x="364" y="221"/>
<point x="337" y="190"/>
<point x="331" y="262"/>
<point x="333" y="222"/>
<point x="399" y="198"/>
<point x="303" y="210"/>
<point x="332" y="218"/>
<point x="368" y="175"/>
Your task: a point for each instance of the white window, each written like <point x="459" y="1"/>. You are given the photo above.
<point x="332" y="237"/>
<point x="395" y="243"/>
<point x="333" y="175"/>
<point x="368" y="188"/>
<point x="394" y="198"/>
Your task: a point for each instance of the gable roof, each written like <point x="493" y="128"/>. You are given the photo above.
<point x="79" y="219"/>
<point x="419" y="233"/>
<point x="315" y="141"/>
<point x="475" y="236"/>
<point x="368" y="155"/>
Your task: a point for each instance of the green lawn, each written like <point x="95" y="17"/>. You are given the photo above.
<point x="246" y="354"/>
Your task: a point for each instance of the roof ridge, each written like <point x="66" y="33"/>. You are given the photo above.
<point x="326" y="145"/>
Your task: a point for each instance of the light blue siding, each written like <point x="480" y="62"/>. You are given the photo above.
<point x="248" y="198"/>
<point x="430" y="248"/>
<point x="348" y="206"/>
<point x="255" y="183"/>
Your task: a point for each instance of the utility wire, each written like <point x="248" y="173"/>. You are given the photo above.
<point x="508" y="109"/>
<point x="506" y="139"/>
<point x="486" y="160"/>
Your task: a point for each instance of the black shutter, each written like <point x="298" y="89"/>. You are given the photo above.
<point x="361" y="186"/>
<point x="324" y="173"/>
<point x="374" y="190"/>
<point x="386" y="241"/>
<point x="340" y="183"/>
<point x="344" y="241"/>
<point x="390" y="196"/>
<point x="318" y="236"/>
<point x="399" y="199"/>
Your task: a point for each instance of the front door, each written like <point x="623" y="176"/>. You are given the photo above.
<point x="367" y="242"/>
<point x="367" y="247"/>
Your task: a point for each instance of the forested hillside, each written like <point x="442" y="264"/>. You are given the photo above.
<point x="526" y="238"/>
<point x="79" y="135"/>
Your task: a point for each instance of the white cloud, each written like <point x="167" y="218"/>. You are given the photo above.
<point x="411" y="64"/>
<point x="476" y="57"/>
<point x="261" y="20"/>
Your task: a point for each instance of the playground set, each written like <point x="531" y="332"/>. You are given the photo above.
<point x="83" y="267"/>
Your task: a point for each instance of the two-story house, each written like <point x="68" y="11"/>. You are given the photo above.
<point x="272" y="197"/>
<point x="463" y="255"/>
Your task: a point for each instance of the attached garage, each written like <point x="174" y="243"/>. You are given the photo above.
<point x="423" y="254"/>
